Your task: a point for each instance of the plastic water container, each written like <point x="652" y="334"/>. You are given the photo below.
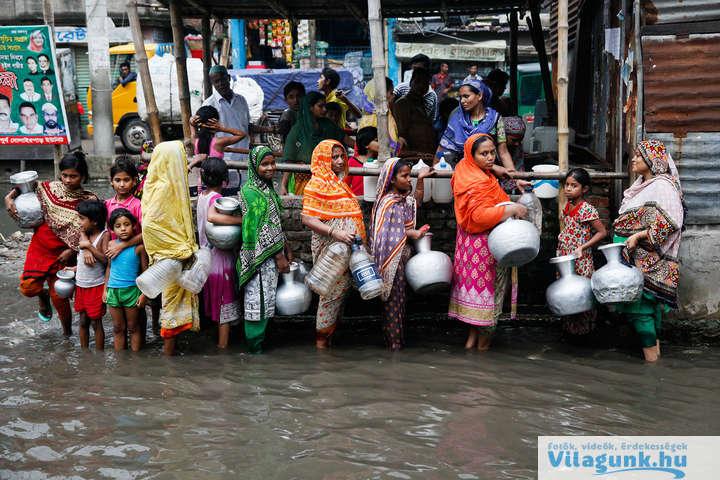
<point x="427" y="182"/>
<point x="364" y="271"/>
<point x="534" y="208"/>
<point x="330" y="265"/>
<point x="545" y="188"/>
<point x="441" y="188"/>
<point x="370" y="182"/>
<point x="193" y="279"/>
<point x="159" y="276"/>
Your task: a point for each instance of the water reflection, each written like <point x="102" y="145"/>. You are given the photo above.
<point x="355" y="412"/>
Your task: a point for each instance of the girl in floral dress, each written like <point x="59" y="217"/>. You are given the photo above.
<point x="580" y="220"/>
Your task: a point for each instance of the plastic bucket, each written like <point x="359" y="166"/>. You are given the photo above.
<point x="545" y="188"/>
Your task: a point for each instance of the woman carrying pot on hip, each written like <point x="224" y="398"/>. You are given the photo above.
<point x="479" y="284"/>
<point x="332" y="212"/>
<point x="650" y="222"/>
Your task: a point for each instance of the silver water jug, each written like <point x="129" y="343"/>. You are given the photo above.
<point x="571" y="293"/>
<point x="292" y="297"/>
<point x="227" y="205"/>
<point x="616" y="282"/>
<point x="514" y="242"/>
<point x="27" y="203"/>
<point x="428" y="271"/>
<point x="65" y="283"/>
<point x="224" y="237"/>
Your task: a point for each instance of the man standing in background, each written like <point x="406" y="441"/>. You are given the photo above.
<point x="441" y="82"/>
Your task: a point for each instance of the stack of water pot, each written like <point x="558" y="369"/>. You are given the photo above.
<point x="614" y="283"/>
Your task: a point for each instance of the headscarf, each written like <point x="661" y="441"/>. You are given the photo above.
<point x="262" y="231"/>
<point x="655" y="205"/>
<point x="327" y="196"/>
<point x="514" y="127"/>
<point x="392" y="215"/>
<point x="168" y="230"/>
<point x="476" y="193"/>
<point x="460" y="127"/>
<point x="308" y="136"/>
<point x="59" y="207"/>
<point x="142" y="167"/>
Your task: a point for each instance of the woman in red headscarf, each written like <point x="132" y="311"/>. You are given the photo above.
<point x="478" y="283"/>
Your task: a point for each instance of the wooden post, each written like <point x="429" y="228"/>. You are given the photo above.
<point x="225" y="48"/>
<point x="142" y="65"/>
<point x="562" y="105"/>
<point x="377" y="46"/>
<point x="49" y="18"/>
<point x="181" y="65"/>
<point x="313" y="43"/>
<point x="206" y="55"/>
<point x="514" y="59"/>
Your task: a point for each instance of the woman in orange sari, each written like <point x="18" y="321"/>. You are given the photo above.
<point x="332" y="212"/>
<point x="478" y="283"/>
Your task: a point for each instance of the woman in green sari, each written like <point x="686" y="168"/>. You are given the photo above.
<point x="310" y="129"/>
<point x="650" y="223"/>
<point x="265" y="252"/>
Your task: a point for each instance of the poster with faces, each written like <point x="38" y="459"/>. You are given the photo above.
<point x="32" y="109"/>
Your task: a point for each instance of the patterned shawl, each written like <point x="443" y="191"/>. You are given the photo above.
<point x="327" y="196"/>
<point x="655" y="205"/>
<point x="262" y="231"/>
<point x="59" y="207"/>
<point x="392" y="215"/>
<point x="460" y="127"/>
<point x="476" y="193"/>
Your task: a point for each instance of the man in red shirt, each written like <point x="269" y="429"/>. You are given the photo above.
<point x="442" y="83"/>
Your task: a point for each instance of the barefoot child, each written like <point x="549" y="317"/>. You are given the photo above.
<point x="124" y="180"/>
<point x="219" y="295"/>
<point x="121" y="292"/>
<point x="393" y="222"/>
<point x="265" y="252"/>
<point x="55" y="242"/>
<point x="90" y="272"/>
<point x="577" y="238"/>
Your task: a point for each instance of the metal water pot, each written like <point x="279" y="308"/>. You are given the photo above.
<point x="292" y="297"/>
<point x="227" y="205"/>
<point x="224" y="237"/>
<point x="428" y="271"/>
<point x="301" y="272"/>
<point x="27" y="203"/>
<point x="616" y="282"/>
<point x="65" y="283"/>
<point x="514" y="242"/>
<point x="571" y="293"/>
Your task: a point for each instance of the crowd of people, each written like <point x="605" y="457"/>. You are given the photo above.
<point x="110" y="243"/>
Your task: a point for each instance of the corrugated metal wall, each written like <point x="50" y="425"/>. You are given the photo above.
<point x="574" y="9"/>
<point x="682" y="108"/>
<point x="680" y="11"/>
<point x="697" y="157"/>
<point x="682" y="83"/>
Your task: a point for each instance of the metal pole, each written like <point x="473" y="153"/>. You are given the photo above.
<point x="237" y="37"/>
<point x="181" y="65"/>
<point x="539" y="41"/>
<point x="99" y="58"/>
<point x="142" y="66"/>
<point x="206" y="55"/>
<point x="620" y="96"/>
<point x="49" y="19"/>
<point x="377" y="47"/>
<point x="393" y="63"/>
<point x="562" y="105"/>
<point x="639" y="113"/>
<point x="514" y="59"/>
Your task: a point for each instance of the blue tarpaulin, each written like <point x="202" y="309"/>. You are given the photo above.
<point x="272" y="83"/>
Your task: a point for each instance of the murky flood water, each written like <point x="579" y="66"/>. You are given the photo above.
<point x="356" y="412"/>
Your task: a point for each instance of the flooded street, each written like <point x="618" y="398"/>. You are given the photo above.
<point x="356" y="412"/>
